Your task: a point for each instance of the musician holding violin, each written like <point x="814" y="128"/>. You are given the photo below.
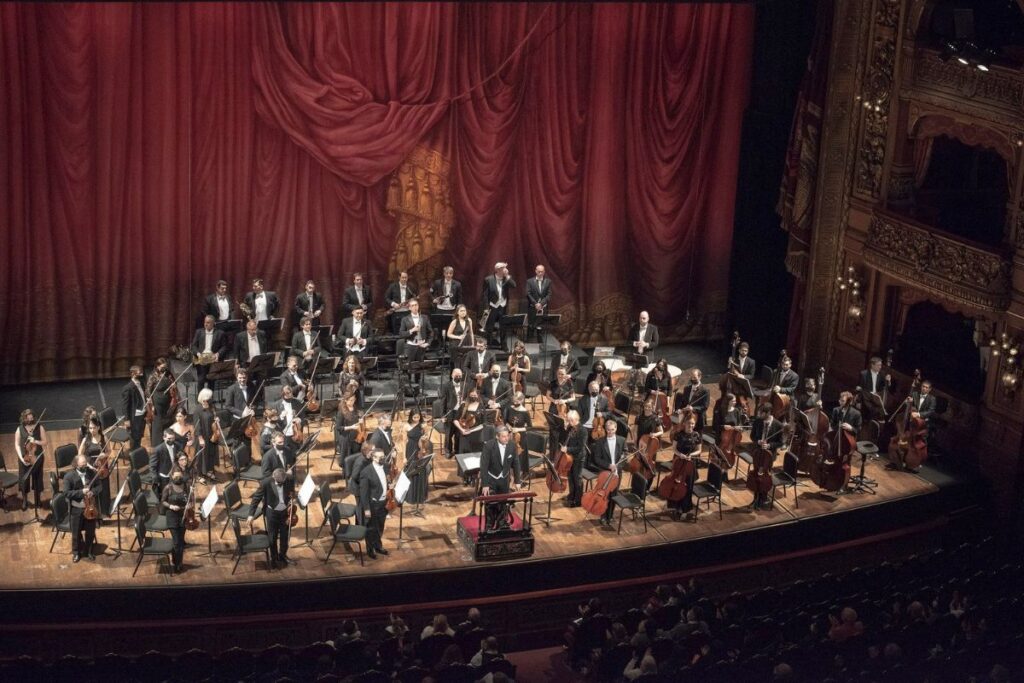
<point x="519" y="366"/>
<point x="208" y="432"/>
<point x="659" y="378"/>
<point x="275" y="496"/>
<point x="351" y="378"/>
<point x="288" y="408"/>
<point x="96" y="450"/>
<point x="562" y="394"/>
<point x="594" y="408"/>
<point x="29" y="440"/>
<point x="470" y="424"/>
<point x="161" y="461"/>
<point x="517" y="418"/>
<point x="292" y="377"/>
<point x="281" y="454"/>
<point x="133" y="406"/>
<point x="347" y="424"/>
<point x="496" y="391"/>
<point x="158" y="389"/>
<point x="81" y="487"/>
<point x="174" y="501"/>
<point x="767" y="437"/>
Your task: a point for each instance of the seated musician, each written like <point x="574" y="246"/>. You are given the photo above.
<point x="219" y="303"/>
<point x="517" y="417"/>
<point x="306" y="342"/>
<point x="643" y="336"/>
<point x="687" y="447"/>
<point x="599" y="373"/>
<point x="788" y="379"/>
<point x="357" y="295"/>
<point x="608" y="455"/>
<point x="208" y="345"/>
<point x="355" y="335"/>
<point x="727" y="414"/>
<point x="575" y="444"/>
<point x="496" y="391"/>
<point x="659" y="378"/>
<point x="499" y="473"/>
<point x="809" y="399"/>
<point x="262" y="304"/>
<point x="446" y="293"/>
<point x="649" y="422"/>
<point x="292" y="377"/>
<point x="308" y="304"/>
<point x="767" y="434"/>
<point x="564" y="358"/>
<point x="694" y="396"/>
<point x="396" y="298"/>
<point x="592" y="405"/>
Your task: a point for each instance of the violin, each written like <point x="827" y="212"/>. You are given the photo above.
<point x="31" y="449"/>
<point x="190" y="519"/>
<point x="292" y="513"/>
<point x="92" y="510"/>
<point x="468" y="417"/>
<point x="217" y="436"/>
<point x="597" y="430"/>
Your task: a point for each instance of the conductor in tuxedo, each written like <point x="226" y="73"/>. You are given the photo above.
<point x="274" y="494"/>
<point x="499" y="472"/>
<point x="372" y="483"/>
<point x="538" y="296"/>
<point x="208" y="339"/>
<point x="606" y="453"/>
<point x="644" y="335"/>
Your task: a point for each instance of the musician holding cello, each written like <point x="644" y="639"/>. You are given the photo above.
<point x="684" y="465"/>
<point x="607" y="454"/>
<point x="767" y="437"/>
<point x="846" y="423"/>
<point x="80" y="485"/>
<point x="29" y="440"/>
<point x="562" y="394"/>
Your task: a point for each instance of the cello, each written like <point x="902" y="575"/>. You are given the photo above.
<point x="833" y="463"/>
<point x="642" y="461"/>
<point x="557" y="476"/>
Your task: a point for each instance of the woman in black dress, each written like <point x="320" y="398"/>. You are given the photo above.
<point x="417" y="445"/>
<point x="470" y="424"/>
<point x="517" y="419"/>
<point x="459" y="335"/>
<point x="599" y="373"/>
<point x="659" y="378"/>
<point x="93" y="446"/>
<point x="687" y="447"/>
<point x="29" y="440"/>
<point x="158" y="389"/>
<point x="173" y="500"/>
<point x="183" y="431"/>
<point x="351" y="378"/>
<point x="87" y="415"/>
<point x="346" y="424"/>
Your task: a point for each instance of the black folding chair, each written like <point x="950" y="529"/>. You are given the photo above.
<point x="151" y="547"/>
<point x="248" y="544"/>
<point x="350" y="533"/>
<point x="709" y="489"/>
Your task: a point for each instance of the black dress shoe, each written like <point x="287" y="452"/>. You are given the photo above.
<point x="382" y="551"/>
<point x="24" y="503"/>
<point x="76" y="557"/>
<point x="92" y="556"/>
<point x="372" y="555"/>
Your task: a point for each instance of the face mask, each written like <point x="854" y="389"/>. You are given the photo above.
<point x="694" y="381"/>
<point x="593" y="393"/>
<point x="81" y="470"/>
<point x="177" y="480"/>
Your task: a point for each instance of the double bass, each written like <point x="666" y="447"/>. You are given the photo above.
<point x="909" y="445"/>
<point x="759" y="479"/>
<point x="833" y="463"/>
<point x="814" y="443"/>
<point x="780" y="402"/>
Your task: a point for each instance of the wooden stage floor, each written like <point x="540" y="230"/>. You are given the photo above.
<point x="428" y="544"/>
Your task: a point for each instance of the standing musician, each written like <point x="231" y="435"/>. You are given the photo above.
<point x="133" y="406"/>
<point x="517" y="417"/>
<point x="92" y="446"/>
<point x="599" y="373"/>
<point x="494" y="299"/>
<point x="499" y="472"/>
<point x="381" y="437"/>
<point x="538" y="296"/>
<point x="250" y="344"/>
<point x="219" y="303"/>
<point x="346" y="424"/>
<point x="351" y="378"/>
<point x="281" y="455"/>
<point x="845" y="416"/>
<point x="183" y="432"/>
<point x="416" y="332"/>
<point x="29" y="440"/>
<point x="592" y="405"/>
<point x="459" y="335"/>
<point x="687" y="447"/>
<point x="79" y="483"/>
<point x="648" y="422"/>
<point x="744" y="365"/>
<point x="356" y="334"/>
<point x="659" y="378"/>
<point x="397" y="299"/>
<point x="767" y="433"/>
<point x="87" y="415"/>
<point x="470" y="424"/>
<point x="727" y="414"/>
<point x="372" y="482"/>
<point x="240" y="396"/>
<point x="478" y="362"/>
<point x="206" y="424"/>
<point x="158" y="390"/>
<point x="208" y="345"/>
<point x="308" y="304"/>
<point x="519" y="364"/>
<point x="354" y="464"/>
<point x="644" y="335"/>
<point x="271" y="424"/>
<point x="356" y="296"/>
<point x="788" y="379"/>
<point x="607" y="453"/>
<point x="694" y="396"/>
<point x="173" y="500"/>
<point x="306" y="342"/>
<point x="275" y="493"/>
<point x="809" y="399"/>
<point x="922" y="403"/>
<point x="262" y="304"/>
<point x="446" y="293"/>
<point x="289" y="421"/>
<point x="184" y="466"/>
<point x="872" y="381"/>
<point x="576" y="440"/>
<point x="292" y="377"/>
<point x="453" y="393"/>
<point x="496" y="391"/>
<point x="418" y="471"/>
<point x="562" y="395"/>
<point x="161" y="461"/>
<point x="564" y="358"/>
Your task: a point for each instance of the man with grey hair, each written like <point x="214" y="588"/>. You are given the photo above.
<point x="275" y="494"/>
<point x="372" y="483"/>
<point x="499" y="470"/>
<point x="495" y="297"/>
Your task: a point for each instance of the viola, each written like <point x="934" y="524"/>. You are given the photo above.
<point x="190" y="519"/>
<point x="293" y="514"/>
<point x="595" y="501"/>
<point x="597" y="430"/>
<point x="676" y="485"/>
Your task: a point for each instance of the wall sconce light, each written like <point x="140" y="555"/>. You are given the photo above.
<point x="851" y="284"/>
<point x="1008" y="349"/>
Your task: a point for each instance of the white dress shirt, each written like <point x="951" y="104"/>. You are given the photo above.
<point x="261" y="306"/>
<point x="223" y="307"/>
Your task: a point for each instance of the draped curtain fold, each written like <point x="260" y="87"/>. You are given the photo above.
<point x="149" y="149"/>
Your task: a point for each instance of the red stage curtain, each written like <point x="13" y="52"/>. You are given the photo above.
<point x="148" y="150"/>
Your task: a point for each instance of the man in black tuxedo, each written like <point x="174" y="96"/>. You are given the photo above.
<point x="161" y="462"/>
<point x="694" y="395"/>
<point x="477" y="363"/>
<point x="415" y="330"/>
<point x="308" y="304"/>
<point x="373" y="487"/>
<point x="499" y="471"/>
<point x="306" y="342"/>
<point x="77" y="481"/>
<point x="208" y="339"/>
<point x="845" y="416"/>
<point x="447" y="291"/>
<point x="381" y="437"/>
<point x="133" y="406"/>
<point x="356" y="334"/>
<point x="766" y="432"/>
<point x="496" y="391"/>
<point x="274" y="494"/>
<point x="357" y="295"/>
<point x="453" y="394"/>
<point x="288" y="410"/>
<point x="746" y="365"/>
<point x="538" y="298"/>
<point x="396" y="298"/>
<point x="240" y="395"/>
<point x="354" y="465"/>
<point x="495" y="297"/>
<point x="281" y="454"/>
<point x="262" y="303"/>
<point x="251" y="343"/>
<point x="644" y="335"/>
<point x="922" y="403"/>
<point x="293" y="377"/>
<point x="565" y="357"/>
<point x="873" y="381"/>
<point x="219" y="304"/>
<point x="606" y="455"/>
<point x="788" y="379"/>
<point x="591" y="405"/>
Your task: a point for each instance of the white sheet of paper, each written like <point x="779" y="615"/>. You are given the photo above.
<point x="402" y="488"/>
<point x="209" y="503"/>
<point x="117" y="501"/>
<point x="307" y="490"/>
<point x="472" y="463"/>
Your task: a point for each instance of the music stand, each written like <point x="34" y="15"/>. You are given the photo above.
<point x="541" y="322"/>
<point x="740" y="387"/>
<point x="237" y="430"/>
<point x="468" y="465"/>
<point x="439" y="323"/>
<point x="270" y="325"/>
<point x="511" y="322"/>
<point x="307" y="447"/>
<point x="636" y="361"/>
<point x="873" y="403"/>
<point x="230" y="326"/>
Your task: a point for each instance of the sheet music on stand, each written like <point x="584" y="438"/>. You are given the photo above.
<point x="209" y="503"/>
<point x="402" y="485"/>
<point x="117" y="501"/>
<point x="307" y="490"/>
<point x="604" y="352"/>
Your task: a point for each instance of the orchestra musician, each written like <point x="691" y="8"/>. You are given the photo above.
<point x="727" y="414"/>
<point x="381" y="437"/>
<point x="519" y="362"/>
<point x="219" y="303"/>
<point x="767" y="433"/>
<point x="694" y="396"/>
<point x="161" y="461"/>
<point x="206" y="423"/>
<point x="133" y="406"/>
<point x="306" y="342"/>
<point x="809" y="399"/>
<point x="281" y="455"/>
<point x="271" y="424"/>
<point x="845" y="416"/>
<point x="252" y="343"/>
<point x="208" y="342"/>
<point x="607" y="453"/>
<point x="496" y="391"/>
<point x="453" y="393"/>
<point x="158" y="389"/>
<point x="182" y="465"/>
<point x="446" y="292"/>
<point x="922" y="403"/>
<point x="592" y="405"/>
<point x="396" y="298"/>
<point x="469" y="424"/>
<point x="288" y="408"/>
<point x="788" y="379"/>
<point x="183" y="432"/>
<point x="356" y="333"/>
<point x="499" y="471"/>
<point x="538" y="296"/>
<point x="240" y="396"/>
<point x="351" y="378"/>
<point x="173" y="501"/>
<point x="873" y="381"/>
<point x="643" y="336"/>
<point x="308" y="304"/>
<point x="417" y="470"/>
<point x="745" y="365"/>
<point x="415" y="330"/>
<point x="599" y="373"/>
<point x="292" y="377"/>
<point x="517" y="417"/>
<point x="576" y="439"/>
<point x="354" y="464"/>
<point x="460" y="335"/>
<point x="659" y="378"/>
<point x="648" y="422"/>
<point x="477" y="363"/>
<point x="372" y="482"/>
<point x="30" y="436"/>
<point x="563" y="397"/>
<point x="274" y="495"/>
<point x="92" y="446"/>
<point x="261" y="303"/>
<point x="88" y="413"/>
<point x="346" y="424"/>
<point x="495" y="297"/>
<point x="687" y="447"/>
<point x="79" y="483"/>
<point x="564" y="358"/>
<point x="356" y="295"/>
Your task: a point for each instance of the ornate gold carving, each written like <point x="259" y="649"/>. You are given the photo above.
<point x="998" y="86"/>
<point x="938" y="263"/>
<point x="876" y="99"/>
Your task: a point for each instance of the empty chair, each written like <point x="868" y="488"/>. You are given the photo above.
<point x="234" y="506"/>
<point x="7" y="480"/>
<point x="634" y="500"/>
<point x="61" y="509"/>
<point x="709" y="489"/>
<point x="786" y="477"/>
<point x="150" y="547"/>
<point x="245" y="470"/>
<point x="350" y="533"/>
<point x="64" y="457"/>
<point x="138" y="461"/>
<point x="248" y="544"/>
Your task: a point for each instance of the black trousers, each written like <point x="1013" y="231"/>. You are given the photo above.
<point x="278" y="530"/>
<point x="137" y="429"/>
<point x="451" y="436"/>
<point x="493" y="511"/>
<point x="375" y="525"/>
<point x="83" y="531"/>
<point x="576" y="481"/>
<point x="494" y="321"/>
<point x="161" y="421"/>
<point x="32" y="476"/>
<point x="178" y="541"/>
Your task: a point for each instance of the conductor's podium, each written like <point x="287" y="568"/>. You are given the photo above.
<point x="510" y="534"/>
